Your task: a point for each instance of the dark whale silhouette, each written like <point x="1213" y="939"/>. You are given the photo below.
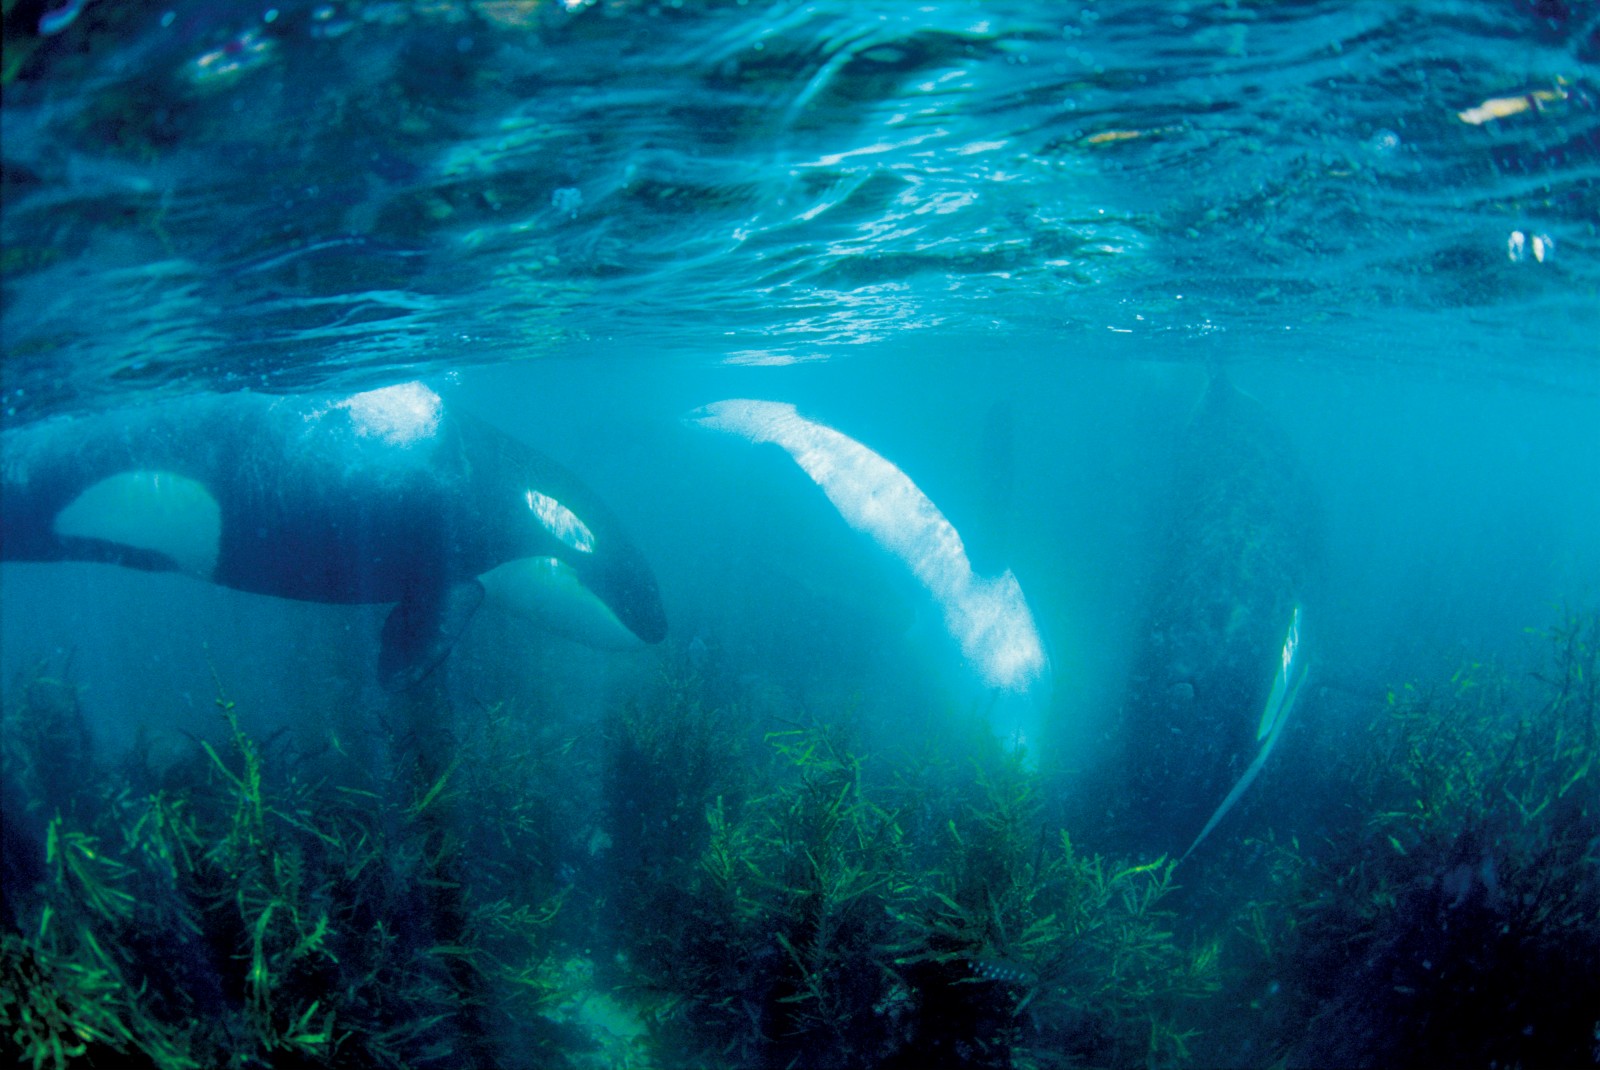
<point x="1220" y="661"/>
<point x="382" y="496"/>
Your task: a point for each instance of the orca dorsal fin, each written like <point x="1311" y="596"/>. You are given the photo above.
<point x="422" y="629"/>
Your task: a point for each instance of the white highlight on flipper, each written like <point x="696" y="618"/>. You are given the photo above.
<point x="989" y="618"/>
<point x="1280" y="703"/>
<point x="149" y="510"/>
<point x="400" y="415"/>
<point x="1274" y="709"/>
<point x="561" y="522"/>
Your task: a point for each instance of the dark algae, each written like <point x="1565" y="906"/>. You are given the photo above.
<point x="707" y="883"/>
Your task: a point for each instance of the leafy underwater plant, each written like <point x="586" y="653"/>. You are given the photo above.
<point x="839" y="859"/>
<point x="233" y="911"/>
<point x="750" y="887"/>
<point x="1028" y="952"/>
<point x="832" y="911"/>
<point x="836" y="910"/>
<point x="768" y="895"/>
<point x="1452" y="915"/>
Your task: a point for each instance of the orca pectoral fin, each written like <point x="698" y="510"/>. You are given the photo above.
<point x="1254" y="768"/>
<point x="421" y="630"/>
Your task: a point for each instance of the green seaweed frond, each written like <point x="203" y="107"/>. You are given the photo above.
<point x="1472" y="808"/>
<point x="81" y="870"/>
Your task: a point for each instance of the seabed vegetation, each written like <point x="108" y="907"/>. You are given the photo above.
<point x="1450" y="914"/>
<point x="705" y="882"/>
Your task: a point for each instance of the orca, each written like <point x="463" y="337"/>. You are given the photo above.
<point x="1223" y="657"/>
<point x="387" y="495"/>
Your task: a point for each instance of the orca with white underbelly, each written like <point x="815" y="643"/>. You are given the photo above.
<point x="384" y="496"/>
<point x="1222" y="657"/>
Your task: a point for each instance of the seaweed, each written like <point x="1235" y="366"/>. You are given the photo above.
<point x="713" y="881"/>
<point x="1452" y="914"/>
<point x="1029" y="952"/>
<point x="836" y="859"/>
<point x="241" y="913"/>
<point x="801" y="924"/>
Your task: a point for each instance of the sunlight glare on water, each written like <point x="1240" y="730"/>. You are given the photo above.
<point x="386" y="186"/>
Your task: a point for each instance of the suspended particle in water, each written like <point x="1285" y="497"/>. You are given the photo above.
<point x="58" y="18"/>
<point x="220" y="66"/>
<point x="1521" y="245"/>
<point x="567" y="199"/>
<point x="1002" y="971"/>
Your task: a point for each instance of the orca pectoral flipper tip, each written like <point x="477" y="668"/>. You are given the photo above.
<point x="1254" y="769"/>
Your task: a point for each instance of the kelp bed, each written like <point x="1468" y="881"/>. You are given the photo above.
<point x="679" y="890"/>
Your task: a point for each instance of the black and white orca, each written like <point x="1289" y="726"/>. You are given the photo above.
<point x="1223" y="659"/>
<point x="383" y="496"/>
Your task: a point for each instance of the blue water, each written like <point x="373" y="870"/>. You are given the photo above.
<point x="1004" y="246"/>
<point x="197" y="197"/>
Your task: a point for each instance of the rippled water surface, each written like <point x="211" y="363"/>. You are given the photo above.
<point x="230" y="194"/>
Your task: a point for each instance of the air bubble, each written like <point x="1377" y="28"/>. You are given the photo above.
<point x="1520" y="245"/>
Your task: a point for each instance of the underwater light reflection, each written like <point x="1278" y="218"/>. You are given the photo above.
<point x="988" y="617"/>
